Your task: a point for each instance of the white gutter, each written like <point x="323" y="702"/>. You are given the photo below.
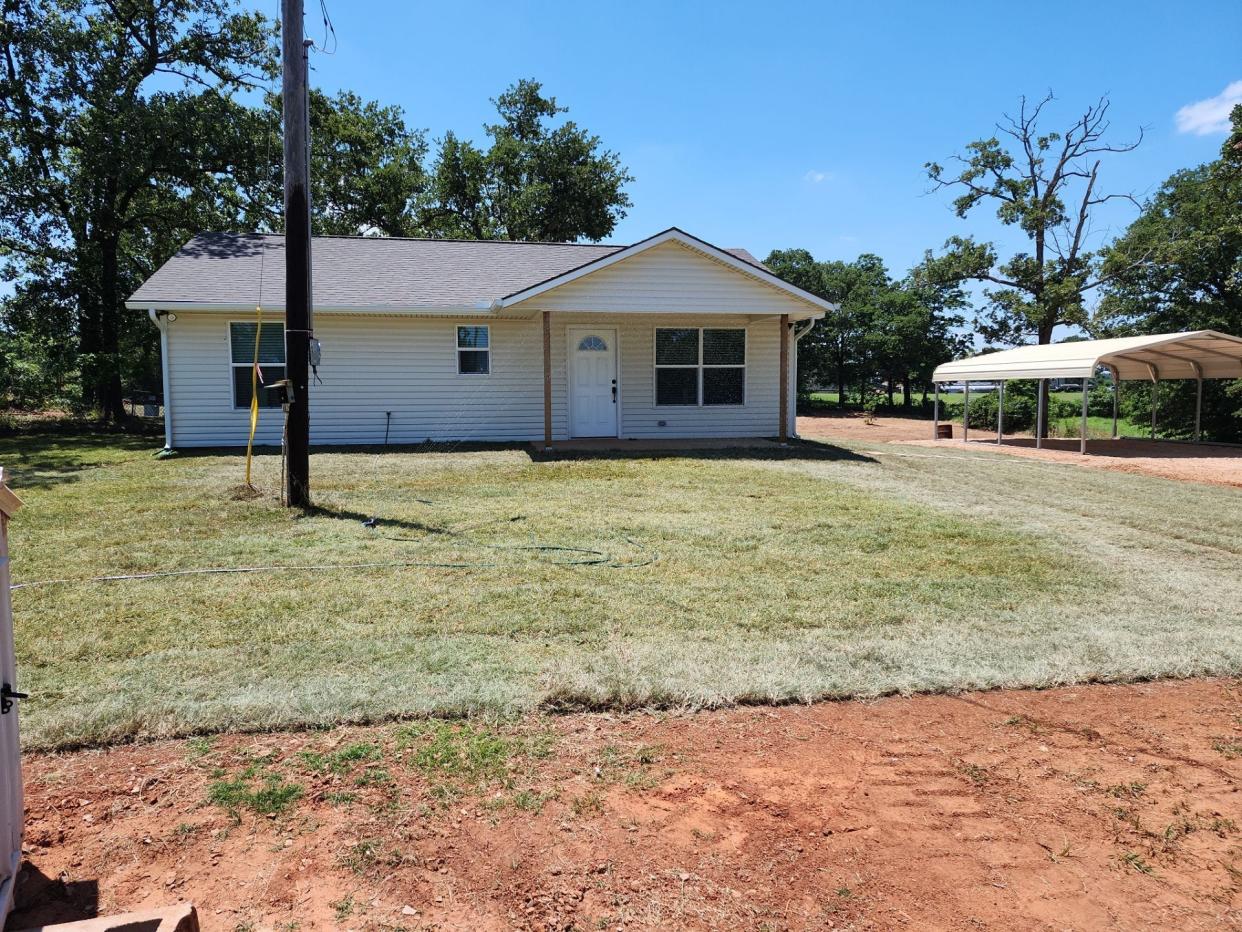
<point x="161" y="323"/>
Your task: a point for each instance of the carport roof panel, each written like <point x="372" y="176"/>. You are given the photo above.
<point x="1174" y="356"/>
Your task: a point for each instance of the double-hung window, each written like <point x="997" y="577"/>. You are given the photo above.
<point x="474" y="350"/>
<point x="700" y="366"/>
<point x="271" y="360"/>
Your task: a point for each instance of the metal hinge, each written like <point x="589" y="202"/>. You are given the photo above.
<point x="7" y="695"/>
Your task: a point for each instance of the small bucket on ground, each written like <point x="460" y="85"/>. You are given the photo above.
<point x="944" y="431"/>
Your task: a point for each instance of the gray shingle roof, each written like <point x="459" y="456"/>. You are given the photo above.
<point x="223" y="269"/>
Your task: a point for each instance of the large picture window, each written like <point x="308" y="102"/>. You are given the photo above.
<point x="700" y="366"/>
<point x="271" y="361"/>
<point x="474" y="350"/>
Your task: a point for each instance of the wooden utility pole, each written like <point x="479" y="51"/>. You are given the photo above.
<point x="299" y="323"/>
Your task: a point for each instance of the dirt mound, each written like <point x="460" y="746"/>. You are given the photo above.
<point x="1095" y="807"/>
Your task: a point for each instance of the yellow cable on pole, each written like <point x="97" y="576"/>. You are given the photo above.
<point x="254" y="390"/>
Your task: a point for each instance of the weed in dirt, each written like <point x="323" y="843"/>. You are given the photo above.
<point x="1135" y="860"/>
<point x="341" y="799"/>
<point x="1222" y="826"/>
<point x="1057" y="854"/>
<point x="1127" y="790"/>
<point x="341" y="760"/>
<point x="844" y="892"/>
<point x="365" y="856"/>
<point x="458" y="752"/>
<point x="629" y="766"/>
<point x="373" y="776"/>
<point x="1230" y="747"/>
<point x="1023" y="722"/>
<point x="184" y="831"/>
<point x="588" y="804"/>
<point x="196" y="748"/>
<point x="271" y="796"/>
<point x="973" y="772"/>
<point x="246" y="925"/>
<point x="343" y="907"/>
<point x="530" y="800"/>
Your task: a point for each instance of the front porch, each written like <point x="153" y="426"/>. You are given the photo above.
<point x="686" y="381"/>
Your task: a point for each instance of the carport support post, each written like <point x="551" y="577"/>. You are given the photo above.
<point x="966" y="413"/>
<point x="1082" y="435"/>
<point x="1116" y="398"/>
<point x="1155" y="402"/>
<point x="936" y="411"/>
<point x="547" y="380"/>
<point x="1039" y="417"/>
<point x="1198" y="399"/>
<point x="1000" y="412"/>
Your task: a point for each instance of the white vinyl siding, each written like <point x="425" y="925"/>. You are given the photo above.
<point x="408" y="365"/>
<point x="675" y="279"/>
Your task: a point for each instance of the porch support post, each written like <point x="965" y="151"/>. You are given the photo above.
<point x="1040" y="416"/>
<point x="936" y="413"/>
<point x="1082" y="435"/>
<point x="783" y="432"/>
<point x="547" y="380"/>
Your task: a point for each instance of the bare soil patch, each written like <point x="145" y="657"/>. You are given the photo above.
<point x="1093" y="807"/>
<point x="1216" y="465"/>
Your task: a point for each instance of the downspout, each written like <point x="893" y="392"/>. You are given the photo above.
<point x="798" y="333"/>
<point x="161" y="322"/>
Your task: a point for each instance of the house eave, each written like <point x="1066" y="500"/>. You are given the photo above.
<point x="464" y="310"/>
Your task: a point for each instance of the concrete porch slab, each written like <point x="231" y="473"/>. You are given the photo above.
<point x="616" y="445"/>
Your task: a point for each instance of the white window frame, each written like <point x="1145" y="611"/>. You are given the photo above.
<point x="233" y="364"/>
<point x="458" y="349"/>
<point x="699" y="366"/>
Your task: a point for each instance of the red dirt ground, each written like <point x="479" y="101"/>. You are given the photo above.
<point x="1099" y="807"/>
<point x="1216" y="465"/>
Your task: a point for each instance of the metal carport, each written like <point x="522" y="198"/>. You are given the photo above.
<point x="1196" y="354"/>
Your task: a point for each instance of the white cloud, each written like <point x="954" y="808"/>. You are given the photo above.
<point x="1205" y="117"/>
<point x="814" y="176"/>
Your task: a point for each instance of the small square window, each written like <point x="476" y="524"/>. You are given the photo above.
<point x="474" y="353"/>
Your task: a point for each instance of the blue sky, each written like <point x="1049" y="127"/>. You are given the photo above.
<point x="800" y="124"/>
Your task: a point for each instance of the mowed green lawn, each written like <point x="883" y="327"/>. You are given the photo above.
<point x="605" y="582"/>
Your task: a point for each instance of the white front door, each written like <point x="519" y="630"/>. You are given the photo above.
<point x="593" y="389"/>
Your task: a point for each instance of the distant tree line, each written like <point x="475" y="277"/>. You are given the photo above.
<point x="1177" y="267"/>
<point x="125" y="128"/>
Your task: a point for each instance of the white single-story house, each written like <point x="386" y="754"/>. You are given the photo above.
<point x="422" y="339"/>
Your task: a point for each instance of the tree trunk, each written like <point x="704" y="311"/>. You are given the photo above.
<point x="108" y="373"/>
<point x="905" y="391"/>
<point x="1044" y="336"/>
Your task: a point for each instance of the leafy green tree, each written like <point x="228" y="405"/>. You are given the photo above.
<point x="1048" y="190"/>
<point x="536" y="181"/>
<point x="366" y="169"/>
<point x="96" y="151"/>
<point x="895" y="330"/>
<point x="1179" y="267"/>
